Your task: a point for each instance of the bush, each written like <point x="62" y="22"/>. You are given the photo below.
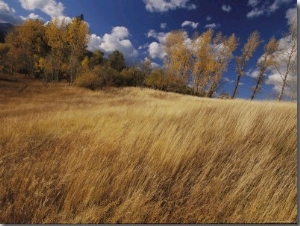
<point x="155" y="79"/>
<point x="88" y="79"/>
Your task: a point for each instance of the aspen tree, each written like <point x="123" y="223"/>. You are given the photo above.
<point x="224" y="47"/>
<point x="203" y="63"/>
<point x="264" y="63"/>
<point x="77" y="38"/>
<point x="241" y="61"/>
<point x="178" y="61"/>
<point x="287" y="57"/>
<point x="28" y="42"/>
<point x="56" y="34"/>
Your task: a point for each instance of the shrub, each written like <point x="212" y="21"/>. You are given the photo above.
<point x="88" y="79"/>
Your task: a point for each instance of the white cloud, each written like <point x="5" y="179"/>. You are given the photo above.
<point x="266" y="8"/>
<point x="117" y="40"/>
<point x="161" y="36"/>
<point x="50" y="7"/>
<point x="166" y="5"/>
<point x="7" y="14"/>
<point x="213" y="26"/>
<point x="120" y="32"/>
<point x="163" y="25"/>
<point x="226" y="8"/>
<point x="62" y="19"/>
<point x="32" y="16"/>
<point x="145" y="46"/>
<point x="189" y="23"/>
<point x="277" y="4"/>
<point x="226" y="79"/>
<point x="156" y="50"/>
<point x="252" y="73"/>
<point x="253" y="3"/>
<point x="4" y="7"/>
<point x="153" y="64"/>
<point x="255" y="13"/>
<point x="94" y="42"/>
<point x="208" y="18"/>
<point x="291" y="15"/>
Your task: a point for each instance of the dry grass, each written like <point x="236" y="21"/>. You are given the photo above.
<point x="132" y="155"/>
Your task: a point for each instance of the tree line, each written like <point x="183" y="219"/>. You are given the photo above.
<point x="58" y="50"/>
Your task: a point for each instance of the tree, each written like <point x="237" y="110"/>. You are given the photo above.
<point x="85" y="64"/>
<point x="248" y="50"/>
<point x="4" y="63"/>
<point x="286" y="57"/>
<point x="16" y="55"/>
<point x="56" y="36"/>
<point x="224" y="47"/>
<point x="29" y="40"/>
<point x="77" y="38"/>
<point x="211" y="58"/>
<point x="156" y="79"/>
<point x="203" y="64"/>
<point x="116" y="60"/>
<point x="264" y="63"/>
<point x="179" y="55"/>
<point x="97" y="58"/>
<point x="146" y="68"/>
<point x="132" y="76"/>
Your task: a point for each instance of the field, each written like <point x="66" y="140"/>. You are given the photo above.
<point x="136" y="155"/>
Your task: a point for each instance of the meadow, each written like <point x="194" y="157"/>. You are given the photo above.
<point x="136" y="155"/>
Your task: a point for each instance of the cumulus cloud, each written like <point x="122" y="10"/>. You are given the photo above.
<point x="156" y="50"/>
<point x="166" y="5"/>
<point x="189" y="23"/>
<point x="159" y="36"/>
<point x="32" y="16"/>
<point x="291" y="15"/>
<point x="208" y="18"/>
<point x="153" y="64"/>
<point x="213" y="26"/>
<point x="7" y="14"/>
<point x="50" y="7"/>
<point x="120" y="32"/>
<point x="116" y="40"/>
<point x="252" y="73"/>
<point x="94" y="42"/>
<point x="145" y="46"/>
<point x="163" y="25"/>
<point x="253" y="3"/>
<point x="266" y="8"/>
<point x="226" y="8"/>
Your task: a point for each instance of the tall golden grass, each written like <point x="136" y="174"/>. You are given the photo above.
<point x="133" y="155"/>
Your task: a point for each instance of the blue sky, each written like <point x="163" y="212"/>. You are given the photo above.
<point x="138" y="27"/>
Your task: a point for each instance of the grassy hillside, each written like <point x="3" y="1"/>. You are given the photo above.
<point x="132" y="155"/>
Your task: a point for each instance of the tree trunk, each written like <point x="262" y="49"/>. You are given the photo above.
<point x="255" y="89"/>
<point x="236" y="87"/>
<point x="282" y="88"/>
<point x="211" y="90"/>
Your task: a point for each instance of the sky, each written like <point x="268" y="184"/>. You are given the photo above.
<point x="138" y="28"/>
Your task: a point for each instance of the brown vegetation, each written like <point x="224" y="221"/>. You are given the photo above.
<point x="133" y="155"/>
